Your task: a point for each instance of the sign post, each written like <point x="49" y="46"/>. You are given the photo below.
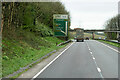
<point x="60" y="25"/>
<point x="119" y="21"/>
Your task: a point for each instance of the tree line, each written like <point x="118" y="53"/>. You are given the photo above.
<point x="27" y="15"/>
<point x="112" y="24"/>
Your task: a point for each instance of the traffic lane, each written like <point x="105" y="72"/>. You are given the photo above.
<point x="106" y="58"/>
<point x="117" y="48"/>
<point x="76" y="62"/>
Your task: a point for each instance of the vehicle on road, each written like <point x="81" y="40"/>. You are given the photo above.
<point x="79" y="34"/>
<point x="87" y="38"/>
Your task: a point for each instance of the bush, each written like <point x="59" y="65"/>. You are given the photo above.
<point x="5" y="57"/>
<point x="43" y="30"/>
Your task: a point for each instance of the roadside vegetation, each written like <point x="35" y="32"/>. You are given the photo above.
<point x="19" y="53"/>
<point x="111" y="43"/>
<point x="27" y="33"/>
<point x="112" y="24"/>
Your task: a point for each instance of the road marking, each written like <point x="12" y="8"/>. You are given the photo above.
<point x="51" y="62"/>
<point x="90" y="52"/>
<point x="93" y="57"/>
<point x="99" y="70"/>
<point x="88" y="47"/>
<point x="108" y="46"/>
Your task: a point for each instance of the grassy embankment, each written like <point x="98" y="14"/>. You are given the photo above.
<point x="111" y="43"/>
<point x="22" y="47"/>
<point x="27" y="32"/>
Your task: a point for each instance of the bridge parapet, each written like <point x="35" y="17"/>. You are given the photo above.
<point x="97" y="30"/>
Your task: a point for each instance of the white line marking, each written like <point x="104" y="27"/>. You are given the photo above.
<point x="51" y="62"/>
<point x="90" y="52"/>
<point x="98" y="69"/>
<point x="88" y="46"/>
<point x="108" y="46"/>
<point x="93" y="57"/>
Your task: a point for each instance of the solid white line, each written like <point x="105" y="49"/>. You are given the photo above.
<point x="52" y="61"/>
<point x="108" y="46"/>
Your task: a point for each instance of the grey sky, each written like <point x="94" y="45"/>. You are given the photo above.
<point x="90" y="14"/>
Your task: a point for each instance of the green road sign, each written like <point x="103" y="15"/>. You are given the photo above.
<point x="60" y="24"/>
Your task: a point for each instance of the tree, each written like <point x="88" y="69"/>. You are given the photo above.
<point x="29" y="15"/>
<point x="112" y="24"/>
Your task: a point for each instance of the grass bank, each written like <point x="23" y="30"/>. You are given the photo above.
<point x="22" y="47"/>
<point x="111" y="43"/>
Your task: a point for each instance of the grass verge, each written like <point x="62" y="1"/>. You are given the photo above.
<point x="16" y="76"/>
<point x="111" y="43"/>
<point x="21" y="48"/>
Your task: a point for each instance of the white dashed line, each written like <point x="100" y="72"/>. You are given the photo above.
<point x="93" y="57"/>
<point x="90" y="52"/>
<point x="98" y="69"/>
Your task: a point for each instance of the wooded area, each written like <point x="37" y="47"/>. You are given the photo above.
<point x="112" y="24"/>
<point x="27" y="32"/>
<point x="33" y="16"/>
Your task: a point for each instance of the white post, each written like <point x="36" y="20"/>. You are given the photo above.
<point x="66" y="28"/>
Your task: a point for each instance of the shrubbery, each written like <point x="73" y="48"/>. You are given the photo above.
<point x="43" y="30"/>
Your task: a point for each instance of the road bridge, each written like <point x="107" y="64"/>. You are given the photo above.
<point x="99" y="30"/>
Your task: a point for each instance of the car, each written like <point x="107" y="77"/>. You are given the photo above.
<point x="87" y="38"/>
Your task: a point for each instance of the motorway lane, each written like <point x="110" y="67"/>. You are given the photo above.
<point x="78" y="62"/>
<point x="106" y="58"/>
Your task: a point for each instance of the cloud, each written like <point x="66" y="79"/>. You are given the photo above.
<point x="91" y="14"/>
<point x="88" y="1"/>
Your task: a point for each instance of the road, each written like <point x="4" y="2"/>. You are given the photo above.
<point x="89" y="59"/>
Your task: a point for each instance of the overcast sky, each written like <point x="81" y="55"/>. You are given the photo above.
<point x="90" y="14"/>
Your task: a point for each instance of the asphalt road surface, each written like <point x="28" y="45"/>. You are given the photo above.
<point x="88" y="59"/>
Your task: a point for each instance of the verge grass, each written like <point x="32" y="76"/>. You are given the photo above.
<point x="23" y="48"/>
<point x="111" y="43"/>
